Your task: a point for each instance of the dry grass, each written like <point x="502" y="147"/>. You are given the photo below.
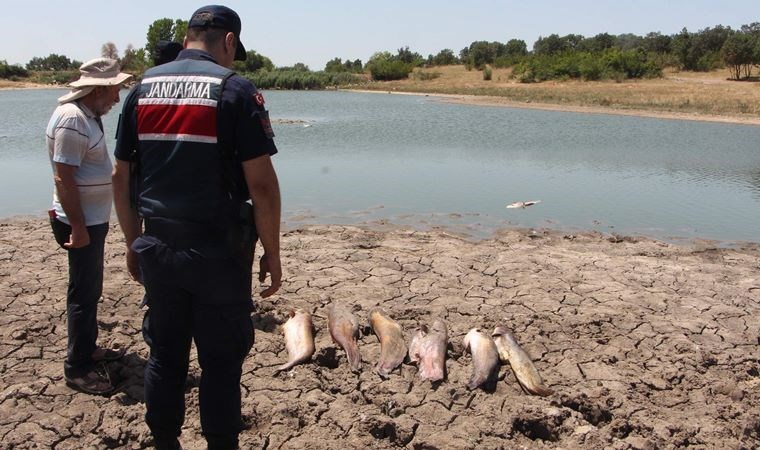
<point x="710" y="94"/>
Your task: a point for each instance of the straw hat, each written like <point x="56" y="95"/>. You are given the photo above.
<point x="95" y="72"/>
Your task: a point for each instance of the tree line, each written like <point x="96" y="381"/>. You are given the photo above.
<point x="603" y="56"/>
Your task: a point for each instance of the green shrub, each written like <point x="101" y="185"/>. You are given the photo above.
<point x="612" y="63"/>
<point x="12" y="71"/>
<point x="425" y="76"/>
<point x="487" y="74"/>
<point x="387" y="70"/>
<point x="300" y="80"/>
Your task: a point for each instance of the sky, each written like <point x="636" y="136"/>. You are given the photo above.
<point x="315" y="31"/>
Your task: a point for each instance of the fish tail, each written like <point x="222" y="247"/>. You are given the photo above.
<point x="285" y="366"/>
<point x="541" y="390"/>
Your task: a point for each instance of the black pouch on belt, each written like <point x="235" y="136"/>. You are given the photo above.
<point x="242" y="238"/>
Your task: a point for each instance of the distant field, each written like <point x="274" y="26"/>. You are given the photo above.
<point x="677" y="92"/>
<point x="693" y="94"/>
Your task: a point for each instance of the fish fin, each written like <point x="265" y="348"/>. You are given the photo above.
<point x="284" y="367"/>
<point x="539" y="390"/>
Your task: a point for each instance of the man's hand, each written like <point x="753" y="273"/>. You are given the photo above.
<point x="133" y="265"/>
<point x="271" y="265"/>
<point x="78" y="238"/>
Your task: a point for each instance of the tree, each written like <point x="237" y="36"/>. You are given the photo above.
<point x="573" y="41"/>
<point x="598" y="43"/>
<point x="354" y="66"/>
<point x="680" y="45"/>
<point x="335" y="65"/>
<point x="549" y="45"/>
<point x="407" y="56"/>
<point x="516" y="47"/>
<point x="159" y="30"/>
<point x="738" y="54"/>
<point x="629" y="41"/>
<point x="656" y="42"/>
<point x="133" y="60"/>
<point x="180" y="30"/>
<point x="12" y="70"/>
<point x="52" y="62"/>
<point x="253" y="62"/>
<point x="445" y="57"/>
<point x="384" y="66"/>
<point x="108" y="50"/>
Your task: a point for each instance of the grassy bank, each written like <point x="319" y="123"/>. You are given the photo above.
<point x="708" y="93"/>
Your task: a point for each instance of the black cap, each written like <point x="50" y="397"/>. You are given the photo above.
<point x="166" y="51"/>
<point x="222" y="17"/>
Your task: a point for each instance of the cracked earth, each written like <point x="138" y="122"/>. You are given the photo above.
<point x="646" y="345"/>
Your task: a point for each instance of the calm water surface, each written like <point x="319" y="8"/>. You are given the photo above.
<point x="417" y="161"/>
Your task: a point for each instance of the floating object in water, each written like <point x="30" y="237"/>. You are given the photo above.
<point x="523" y="205"/>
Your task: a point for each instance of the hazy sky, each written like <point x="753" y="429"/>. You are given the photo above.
<point x="313" y="32"/>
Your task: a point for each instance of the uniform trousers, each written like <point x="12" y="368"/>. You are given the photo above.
<point x="192" y="296"/>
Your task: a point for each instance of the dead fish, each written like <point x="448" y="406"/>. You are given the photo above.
<point x="344" y="329"/>
<point x="485" y="357"/>
<point x="523" y="205"/>
<point x="299" y="339"/>
<point x="525" y="372"/>
<point x="391" y="337"/>
<point x="428" y="350"/>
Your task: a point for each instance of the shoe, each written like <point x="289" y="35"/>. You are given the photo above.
<point x="171" y="443"/>
<point x="91" y="383"/>
<point x="107" y="354"/>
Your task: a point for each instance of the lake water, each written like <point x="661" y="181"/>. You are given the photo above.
<point x="414" y="160"/>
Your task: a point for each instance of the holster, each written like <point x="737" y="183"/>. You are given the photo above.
<point x="243" y="236"/>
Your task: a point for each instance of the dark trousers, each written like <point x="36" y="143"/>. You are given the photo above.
<point x="85" y="288"/>
<point x="208" y="300"/>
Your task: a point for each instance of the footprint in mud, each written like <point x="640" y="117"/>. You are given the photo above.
<point x="537" y="426"/>
<point x="328" y="358"/>
<point x="591" y="412"/>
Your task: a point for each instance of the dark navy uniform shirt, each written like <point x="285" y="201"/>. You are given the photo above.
<point x="242" y="122"/>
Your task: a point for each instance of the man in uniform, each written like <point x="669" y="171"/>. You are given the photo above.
<point x="81" y="211"/>
<point x="199" y="140"/>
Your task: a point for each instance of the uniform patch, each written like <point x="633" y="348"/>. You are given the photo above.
<point x="259" y="99"/>
<point x="266" y="124"/>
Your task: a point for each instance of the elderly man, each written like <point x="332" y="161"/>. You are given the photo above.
<point x="81" y="209"/>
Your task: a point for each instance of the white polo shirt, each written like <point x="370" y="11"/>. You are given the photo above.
<point x="75" y="138"/>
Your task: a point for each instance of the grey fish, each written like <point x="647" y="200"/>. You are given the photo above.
<point x="523" y="367"/>
<point x="391" y="337"/>
<point x="485" y="357"/>
<point x="428" y="350"/>
<point x="344" y="329"/>
<point x="299" y="339"/>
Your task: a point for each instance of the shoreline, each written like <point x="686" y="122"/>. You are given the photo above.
<point x="466" y="232"/>
<point x="495" y="101"/>
<point x="646" y="345"/>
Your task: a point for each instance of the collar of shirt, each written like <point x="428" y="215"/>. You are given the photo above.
<point x="193" y="53"/>
<point x="86" y="110"/>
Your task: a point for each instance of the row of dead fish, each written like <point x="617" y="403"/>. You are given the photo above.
<point x="427" y="348"/>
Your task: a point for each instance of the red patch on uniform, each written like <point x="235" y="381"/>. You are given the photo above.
<point x="259" y="99"/>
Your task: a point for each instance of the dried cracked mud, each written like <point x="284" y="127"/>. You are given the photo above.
<point x="646" y="345"/>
